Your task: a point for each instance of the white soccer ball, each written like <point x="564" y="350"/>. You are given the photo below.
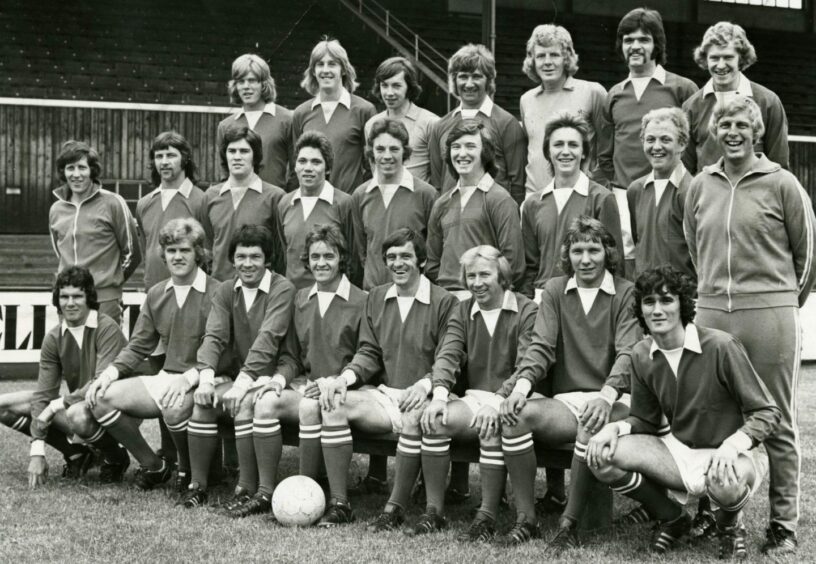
<point x="298" y="501"/>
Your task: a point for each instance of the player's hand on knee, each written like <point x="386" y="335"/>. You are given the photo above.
<point x="437" y="408"/>
<point x="601" y="447"/>
<point x="486" y="422"/>
<point x="722" y="468"/>
<point x="101" y="384"/>
<point x="205" y="395"/>
<point x="413" y="397"/>
<point x="312" y="391"/>
<point x="174" y="395"/>
<point x="511" y="407"/>
<point x="271" y="386"/>
<point x="595" y="415"/>
<point x="332" y="392"/>
<point x="37" y="471"/>
<point x="232" y="399"/>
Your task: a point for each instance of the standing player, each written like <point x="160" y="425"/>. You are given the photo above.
<point x="315" y="202"/>
<point x="92" y="227"/>
<point x="253" y="88"/>
<point x="335" y="111"/>
<point x="475" y="343"/>
<point x="472" y="78"/>
<point x="173" y="316"/>
<point x="249" y="317"/>
<point x="551" y="63"/>
<point x="657" y="200"/>
<point x="396" y="82"/>
<point x="642" y="42"/>
<point x="75" y="351"/>
<point x="718" y="409"/>
<point x="725" y="52"/>
<point x="582" y="339"/>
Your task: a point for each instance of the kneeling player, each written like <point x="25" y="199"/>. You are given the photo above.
<point x="477" y="342"/>
<point x="718" y="408"/>
<point x="174" y="316"/>
<point x="248" y="320"/>
<point x="83" y="344"/>
<point x="582" y="339"/>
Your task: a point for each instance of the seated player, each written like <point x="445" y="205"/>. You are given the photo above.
<point x="322" y="339"/>
<point x="582" y="339"/>
<point x="718" y="409"/>
<point x="475" y="343"/>
<point x="173" y="316"/>
<point x="75" y="351"/>
<point x="401" y="327"/>
<point x="248" y="319"/>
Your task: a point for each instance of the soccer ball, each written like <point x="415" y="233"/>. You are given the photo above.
<point x="298" y="502"/>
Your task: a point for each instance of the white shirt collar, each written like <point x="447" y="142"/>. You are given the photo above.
<point x="659" y="75"/>
<point x="407" y="181"/>
<point x="265" y="285"/>
<point x="343" y="289"/>
<point x="326" y="194"/>
<point x="185" y="189"/>
<point x="607" y="284"/>
<point x="92" y="321"/>
<point x="267" y="109"/>
<point x="199" y="284"/>
<point x="345" y="99"/>
<point x="423" y="293"/>
<point x="509" y="303"/>
<point x="486" y="108"/>
<point x="676" y="176"/>
<point x="484" y="184"/>
<point x="581" y="186"/>
<point x="256" y="185"/>
<point x="691" y="341"/>
<point x="743" y="88"/>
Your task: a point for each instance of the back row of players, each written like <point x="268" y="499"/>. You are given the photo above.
<point x="409" y="335"/>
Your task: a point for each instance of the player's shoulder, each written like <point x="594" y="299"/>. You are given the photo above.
<point x="424" y="188"/>
<point x="283" y="112"/>
<point x="524" y="303"/>
<point x="271" y="190"/>
<point x="556" y="285"/>
<point x="598" y="190"/>
<point x="370" y="122"/>
<point x="303" y="108"/>
<point x="623" y="287"/>
<point x="682" y="82"/>
<point x="105" y="323"/>
<point x="641" y="350"/>
<point x="362" y="103"/>
<point x="638" y="185"/>
<point x="229" y="119"/>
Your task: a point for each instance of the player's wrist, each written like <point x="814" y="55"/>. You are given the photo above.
<point x="440" y="393"/>
<point x="348" y="377"/>
<point x="37" y="448"/>
<point x="206" y="376"/>
<point x="523" y="387"/>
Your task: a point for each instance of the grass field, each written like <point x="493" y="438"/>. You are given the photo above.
<point x="87" y="522"/>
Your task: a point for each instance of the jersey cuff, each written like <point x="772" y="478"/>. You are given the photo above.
<point x="425" y="384"/>
<point x="523" y="387"/>
<point x="280" y="379"/>
<point x="624" y="428"/>
<point x="740" y="441"/>
<point x="57" y="405"/>
<point x="206" y="376"/>
<point x="609" y="394"/>
<point x="440" y="393"/>
<point x="243" y="382"/>
<point x="37" y="448"/>
<point x="192" y="377"/>
<point x="350" y="377"/>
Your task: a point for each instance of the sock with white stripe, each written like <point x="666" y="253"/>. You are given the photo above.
<point x="519" y="456"/>
<point x="435" y="466"/>
<point x="247" y="462"/>
<point x="728" y="515"/>
<point x="178" y="433"/>
<point x="55" y="438"/>
<point x="202" y="439"/>
<point x="107" y="445"/>
<point x="406" y="469"/>
<point x="581" y="481"/>
<point x="266" y="436"/>
<point x="651" y="495"/>
<point x="337" y="450"/>
<point x="125" y="429"/>
<point x="311" y="454"/>
<point x="492" y="475"/>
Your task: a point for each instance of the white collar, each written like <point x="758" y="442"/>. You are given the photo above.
<point x="486" y="108"/>
<point x="199" y="284"/>
<point x="423" y="293"/>
<point x="345" y="99"/>
<point x="407" y="181"/>
<point x="659" y="75"/>
<point x="691" y="341"/>
<point x="265" y="285"/>
<point x="581" y="186"/>
<point x="256" y="185"/>
<point x="343" y="289"/>
<point x="92" y="321"/>
<point x="676" y="176"/>
<point x="185" y="189"/>
<point x="607" y="284"/>
<point x="326" y="193"/>
<point x="743" y="88"/>
<point x="509" y="303"/>
<point x="267" y="109"/>
<point x="484" y="184"/>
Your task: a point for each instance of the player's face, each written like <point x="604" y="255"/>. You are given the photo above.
<point x="638" y="49"/>
<point x="180" y="258"/>
<point x="169" y="164"/>
<point x="482" y="279"/>
<point x="74" y="305"/>
<point x="472" y="88"/>
<point x="239" y="158"/>
<point x="310" y="168"/>
<point x="403" y="264"/>
<point x="549" y="63"/>
<point x="661" y="313"/>
<point x="723" y="65"/>
<point x="324" y="262"/>
<point x="661" y="145"/>
<point x="466" y="155"/>
<point x="736" y="136"/>
<point x="78" y="175"/>
<point x="588" y="260"/>
<point x="566" y="151"/>
<point x="250" y="263"/>
<point x="394" y="91"/>
<point x="388" y="154"/>
<point x="329" y="73"/>
<point x="250" y="90"/>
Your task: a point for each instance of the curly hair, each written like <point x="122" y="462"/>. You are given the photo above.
<point x="549" y="35"/>
<point x="181" y="229"/>
<point x="250" y="63"/>
<point x="176" y="140"/>
<point x="331" y="236"/>
<point x="721" y="34"/>
<point x="332" y="48"/>
<point x="734" y="106"/>
<point x="571" y="121"/>
<point x="73" y="151"/>
<point x="471" y="58"/>
<point x="675" y="116"/>
<point x="649" y="21"/>
<point x="391" y="67"/>
<point x="77" y="277"/>
<point x="472" y="127"/>
<point x="393" y="127"/>
<point x="663" y="280"/>
<point x="582" y="229"/>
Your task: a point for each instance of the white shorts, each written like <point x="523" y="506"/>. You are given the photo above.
<point x="389" y="399"/>
<point x="299" y="384"/>
<point x="475" y="399"/>
<point x="575" y="401"/>
<point x="157" y="385"/>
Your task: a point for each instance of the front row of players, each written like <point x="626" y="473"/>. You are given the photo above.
<point x="411" y="359"/>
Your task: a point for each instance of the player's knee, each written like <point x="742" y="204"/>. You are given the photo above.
<point x="268" y="406"/>
<point x="205" y="414"/>
<point x="174" y="415"/>
<point x="339" y="415"/>
<point x="583" y="436"/>
<point x="309" y="411"/>
<point x="494" y="441"/>
<point x="246" y="409"/>
<point x="410" y="421"/>
<point x="81" y="420"/>
<point x="101" y="408"/>
<point x="724" y="494"/>
<point x="607" y="472"/>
